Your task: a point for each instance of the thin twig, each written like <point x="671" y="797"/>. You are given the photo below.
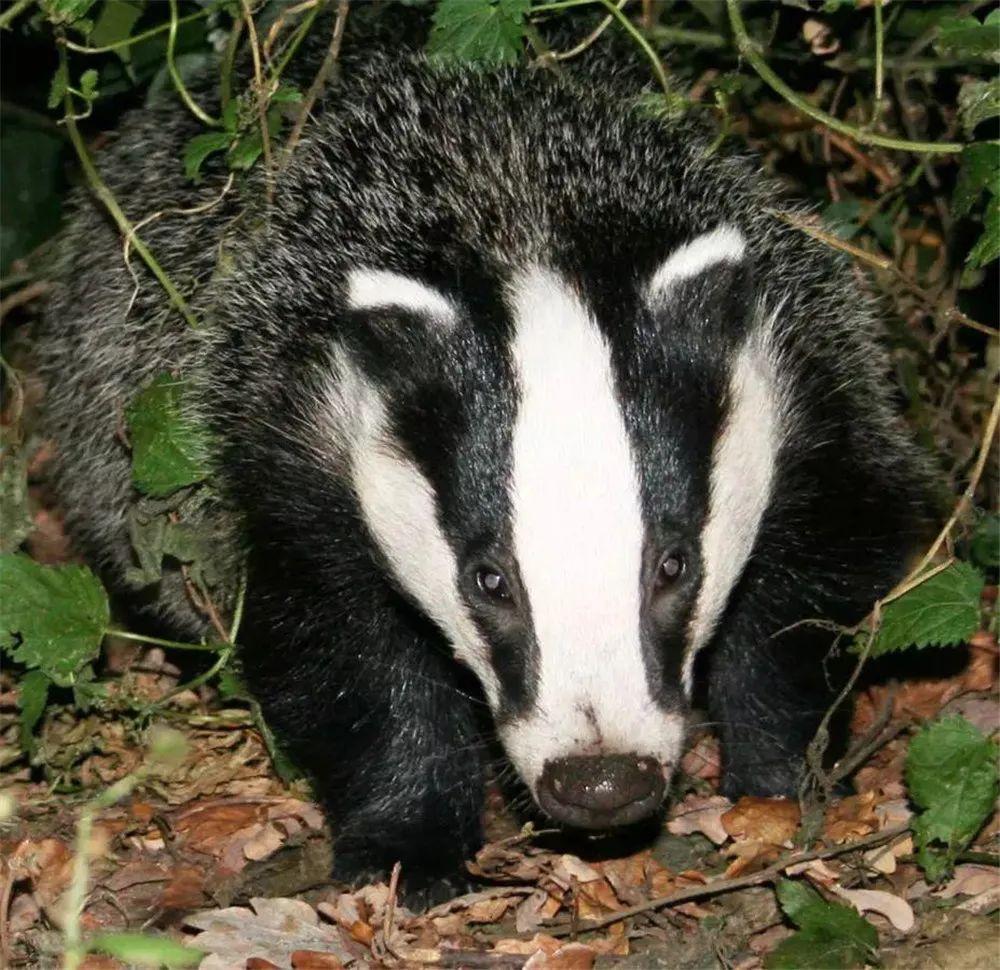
<point x="106" y="197"/>
<point x="589" y="39"/>
<point x="262" y="97"/>
<point x="332" y="53"/>
<point x="160" y="642"/>
<point x="746" y="47"/>
<point x="879" y="59"/>
<point x="727" y="885"/>
<point x="651" y="55"/>
<point x="175" y="76"/>
<point x="15" y="11"/>
<point x="135" y="38"/>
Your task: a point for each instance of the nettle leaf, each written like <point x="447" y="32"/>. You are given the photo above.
<point x="484" y="32"/>
<point x="980" y="170"/>
<point x="52" y="618"/>
<point x="32" y="695"/>
<point x="941" y="611"/>
<point x="830" y="935"/>
<point x="984" y="549"/>
<point x="967" y="36"/>
<point x="987" y="248"/>
<point x="200" y="147"/>
<point x="951" y="773"/>
<point x="168" y="450"/>
<point x="979" y="101"/>
<point x="68" y="11"/>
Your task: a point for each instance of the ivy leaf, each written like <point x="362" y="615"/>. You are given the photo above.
<point x="967" y="36"/>
<point x="979" y="101"/>
<point x="483" y="32"/>
<point x="200" y="147"/>
<point x="51" y="617"/>
<point x="830" y="935"/>
<point x="168" y="450"/>
<point x="32" y="694"/>
<point x="987" y="248"/>
<point x="145" y="950"/>
<point x="980" y="170"/>
<point x="951" y="773"/>
<point x="940" y="611"/>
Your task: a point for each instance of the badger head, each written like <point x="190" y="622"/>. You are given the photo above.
<point x="568" y="479"/>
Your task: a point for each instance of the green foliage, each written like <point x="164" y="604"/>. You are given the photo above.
<point x="988" y="247"/>
<point x="941" y="611"/>
<point x="831" y="936"/>
<point x="968" y="37"/>
<point x="169" y="451"/>
<point x="951" y="774"/>
<point x="984" y="549"/>
<point x="978" y="101"/>
<point x="201" y="147"/>
<point x="52" y="618"/>
<point x="482" y="32"/>
<point x="32" y="695"/>
<point x="145" y="950"/>
<point x="980" y="170"/>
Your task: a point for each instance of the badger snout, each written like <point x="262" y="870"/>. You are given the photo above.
<point x="600" y="791"/>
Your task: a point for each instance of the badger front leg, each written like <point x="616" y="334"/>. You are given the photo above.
<point x="767" y="697"/>
<point x="374" y="712"/>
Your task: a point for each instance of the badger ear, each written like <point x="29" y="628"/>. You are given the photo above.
<point x="377" y="289"/>
<point x="711" y="268"/>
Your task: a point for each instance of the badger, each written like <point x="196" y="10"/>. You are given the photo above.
<point x="530" y="420"/>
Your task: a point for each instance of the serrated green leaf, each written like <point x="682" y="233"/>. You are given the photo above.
<point x="32" y="694"/>
<point x="984" y="549"/>
<point x="286" y="94"/>
<point x="940" y="611"/>
<point x="246" y="151"/>
<point x="200" y="147"/>
<point x="483" y="32"/>
<point x="59" y="86"/>
<point x="68" y="12"/>
<point x="59" y="613"/>
<point x="987" y="248"/>
<point x="87" y="691"/>
<point x="980" y="170"/>
<point x="88" y="84"/>
<point x="951" y="773"/>
<point x="145" y="950"/>
<point x="967" y="36"/>
<point x="978" y="101"/>
<point x="168" y="450"/>
<point x="830" y="935"/>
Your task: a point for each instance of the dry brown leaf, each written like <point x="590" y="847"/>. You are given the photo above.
<point x="970" y="880"/>
<point x="772" y="821"/>
<point x="703" y="759"/>
<point x="895" y="909"/>
<point x="701" y="814"/>
<point x="570" y="956"/>
<point x="851" y="818"/>
<point x="315" y="960"/>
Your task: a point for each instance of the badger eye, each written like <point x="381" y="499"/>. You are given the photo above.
<point x="492" y="584"/>
<point x="670" y="570"/>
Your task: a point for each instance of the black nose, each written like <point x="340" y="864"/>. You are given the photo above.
<point x="596" y="792"/>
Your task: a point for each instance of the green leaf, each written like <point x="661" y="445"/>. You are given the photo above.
<point x="59" y="613"/>
<point x="842" y="218"/>
<point x="984" y="549"/>
<point x="987" y="248"/>
<point x="246" y="151"/>
<point x="830" y="935"/>
<point x="978" y="101"/>
<point x="168" y="450"/>
<point x="942" y="610"/>
<point x="286" y="94"/>
<point x="483" y="32"/>
<point x="32" y="694"/>
<point x="145" y="950"/>
<point x="967" y="36"/>
<point x="67" y="11"/>
<point x="200" y="147"/>
<point x="980" y="170"/>
<point x="951" y="773"/>
<point x="59" y="86"/>
<point x="115" y="23"/>
<point x="88" y="84"/>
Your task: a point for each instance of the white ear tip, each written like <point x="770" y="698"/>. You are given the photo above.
<point x="724" y="244"/>
<point x="369" y="289"/>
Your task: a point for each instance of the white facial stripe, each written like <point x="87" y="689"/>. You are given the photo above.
<point x="725" y="244"/>
<point x="742" y="470"/>
<point x="373" y="288"/>
<point x="578" y="537"/>
<point x="399" y="509"/>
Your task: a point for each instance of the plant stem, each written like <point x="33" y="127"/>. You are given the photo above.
<point x="203" y="116"/>
<point x="106" y="197"/>
<point x="879" y="54"/>
<point x="680" y="35"/>
<point x="136" y="38"/>
<point x="160" y="642"/>
<point x="262" y="98"/>
<point x="562" y="5"/>
<point x="651" y="55"/>
<point x="748" y="50"/>
<point x="228" y="60"/>
<point x="15" y="11"/>
<point x="298" y="37"/>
